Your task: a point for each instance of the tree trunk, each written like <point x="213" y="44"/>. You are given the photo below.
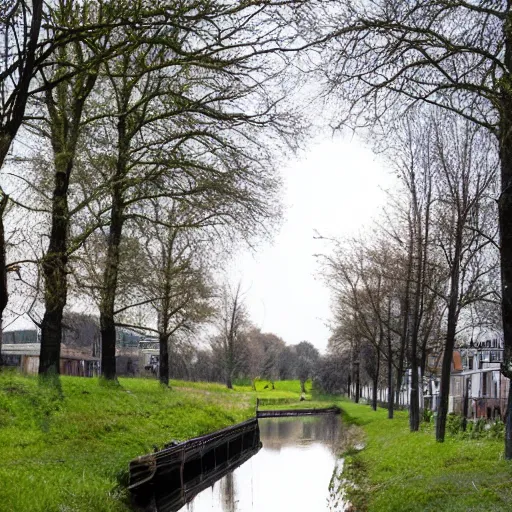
<point x="358" y="384"/>
<point x="466" y="405"/>
<point x="414" y="406"/>
<point x="399" y="378"/>
<point x="405" y="307"/>
<point x="164" y="359"/>
<point x="111" y="272"/>
<point x="376" y="382"/>
<point x="451" y="327"/>
<point x="302" y="386"/>
<point x="390" y="380"/>
<point x="107" y="305"/>
<point x="505" y="216"/>
<point x="508" y="425"/>
<point x="55" y="272"/>
<point x="505" y="223"/>
<point x="108" y="346"/>
<point x="4" y="295"/>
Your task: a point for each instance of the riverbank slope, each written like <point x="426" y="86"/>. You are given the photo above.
<point x="399" y="471"/>
<point x="71" y="452"/>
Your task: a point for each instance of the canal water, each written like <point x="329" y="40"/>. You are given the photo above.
<point x="292" y="471"/>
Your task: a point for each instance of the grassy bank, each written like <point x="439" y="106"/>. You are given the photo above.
<point x="71" y="453"/>
<point x="401" y="471"/>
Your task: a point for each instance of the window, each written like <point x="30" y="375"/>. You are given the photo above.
<point x="470" y="362"/>
<point x="496" y="356"/>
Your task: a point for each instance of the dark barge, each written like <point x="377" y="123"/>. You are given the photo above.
<point x="168" y="479"/>
<point x="297" y="412"/>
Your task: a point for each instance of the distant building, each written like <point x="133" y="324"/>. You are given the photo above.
<point x="480" y="380"/>
<point x="21" y="336"/>
<point x="149" y="355"/>
<point x="72" y="362"/>
<point x="136" y="354"/>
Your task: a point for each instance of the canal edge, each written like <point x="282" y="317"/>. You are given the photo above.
<point x="352" y="479"/>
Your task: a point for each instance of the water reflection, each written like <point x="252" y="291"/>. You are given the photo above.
<point x="291" y="472"/>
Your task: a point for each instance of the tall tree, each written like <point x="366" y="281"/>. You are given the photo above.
<point x="64" y="105"/>
<point x="465" y="178"/>
<point x="232" y="321"/>
<point x="182" y="128"/>
<point x="177" y="279"/>
<point x="20" y="26"/>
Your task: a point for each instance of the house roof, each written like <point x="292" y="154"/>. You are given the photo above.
<point x="436" y="365"/>
<point x="34" y="349"/>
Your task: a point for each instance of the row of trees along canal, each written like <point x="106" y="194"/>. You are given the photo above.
<point x="428" y="271"/>
<point x="140" y="116"/>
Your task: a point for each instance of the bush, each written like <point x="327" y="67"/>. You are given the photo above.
<point x="454" y="423"/>
<point x="482" y="429"/>
<point x="497" y="430"/>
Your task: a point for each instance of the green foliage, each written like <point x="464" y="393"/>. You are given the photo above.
<point x="428" y="415"/>
<point x="475" y="429"/>
<point x="483" y="429"/>
<point x="454" y="423"/>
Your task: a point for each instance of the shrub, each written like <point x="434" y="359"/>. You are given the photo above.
<point x="454" y="423"/>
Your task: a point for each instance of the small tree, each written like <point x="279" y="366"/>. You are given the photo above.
<point x="232" y="321"/>
<point x="307" y="359"/>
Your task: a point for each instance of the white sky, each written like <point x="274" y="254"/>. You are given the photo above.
<point x="336" y="187"/>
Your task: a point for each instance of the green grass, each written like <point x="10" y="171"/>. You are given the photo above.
<point x="71" y="453"/>
<point x="403" y="471"/>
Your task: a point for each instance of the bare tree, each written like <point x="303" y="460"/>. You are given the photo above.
<point x="232" y="325"/>
<point x="176" y="284"/>
<point x="20" y="25"/>
<point x="181" y="130"/>
<point x="466" y="175"/>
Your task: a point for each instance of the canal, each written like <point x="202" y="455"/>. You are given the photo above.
<point x="292" y="471"/>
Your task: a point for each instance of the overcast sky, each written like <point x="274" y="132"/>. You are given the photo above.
<point x="336" y="187"/>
